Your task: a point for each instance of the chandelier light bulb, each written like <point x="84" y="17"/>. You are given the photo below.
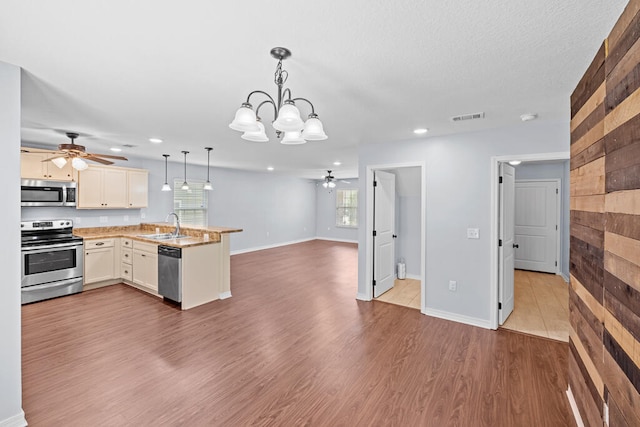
<point x="292" y="138"/>
<point x="313" y="130"/>
<point x="245" y="119"/>
<point x="288" y="118"/>
<point x="59" y="162"/>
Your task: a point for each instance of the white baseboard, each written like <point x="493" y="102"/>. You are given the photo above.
<point x="467" y="320"/>
<point x="574" y="408"/>
<point x="564" y="277"/>
<point x="276" y="245"/>
<point x="18" y="420"/>
<point x="411" y="276"/>
<point x="362" y="297"/>
<point x="337" y="240"/>
<point x="225" y="295"/>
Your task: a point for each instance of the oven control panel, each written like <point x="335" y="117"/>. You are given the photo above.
<point x="46" y="225"/>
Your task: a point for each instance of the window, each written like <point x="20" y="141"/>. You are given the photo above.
<point x="346" y="208"/>
<point x="191" y="205"/>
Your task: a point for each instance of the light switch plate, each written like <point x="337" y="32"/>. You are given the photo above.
<point x="473" y="233"/>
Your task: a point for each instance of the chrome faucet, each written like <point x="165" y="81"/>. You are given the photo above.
<point x="176" y="232"/>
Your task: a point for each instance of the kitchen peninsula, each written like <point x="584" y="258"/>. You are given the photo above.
<point x="129" y="254"/>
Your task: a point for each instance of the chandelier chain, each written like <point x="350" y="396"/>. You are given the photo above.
<point x="281" y="75"/>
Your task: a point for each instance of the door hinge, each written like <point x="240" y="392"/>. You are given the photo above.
<point x="374" y="233"/>
<point x="499" y="306"/>
<point x="375" y="183"/>
<point x="556" y="191"/>
<point x="500" y="242"/>
<point x="556" y="226"/>
<point x="556" y="263"/>
<point x="374" y="282"/>
<point x="500" y="180"/>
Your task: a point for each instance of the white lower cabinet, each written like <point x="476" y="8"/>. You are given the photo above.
<point x="99" y="260"/>
<point x="145" y="265"/>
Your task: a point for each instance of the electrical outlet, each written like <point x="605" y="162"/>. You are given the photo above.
<point x="267" y="234"/>
<point x="142" y="215"/>
<point x="126" y="218"/>
<point x="104" y="219"/>
<point x="473" y="233"/>
<point x="78" y="220"/>
<point x="453" y="285"/>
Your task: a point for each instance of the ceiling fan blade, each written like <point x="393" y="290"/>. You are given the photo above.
<point x="97" y="159"/>
<point x="346" y="182"/>
<point x="107" y="156"/>
<point x="59" y="156"/>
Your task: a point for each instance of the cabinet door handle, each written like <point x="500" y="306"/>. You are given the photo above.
<point x="99" y="243"/>
<point x="126" y="255"/>
<point x="143" y="255"/>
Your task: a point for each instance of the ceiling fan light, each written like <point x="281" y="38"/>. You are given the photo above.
<point x="288" y="118"/>
<point x="258" y="136"/>
<point x="166" y="187"/>
<point x="332" y="184"/>
<point x="59" y="162"/>
<point x="292" y="138"/>
<point x="313" y="130"/>
<point x="245" y="119"/>
<point x="79" y="164"/>
<point x="325" y="184"/>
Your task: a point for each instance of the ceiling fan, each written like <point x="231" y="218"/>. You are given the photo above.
<point x="330" y="180"/>
<point x="78" y="155"/>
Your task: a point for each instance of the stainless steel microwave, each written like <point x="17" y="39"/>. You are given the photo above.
<point x="34" y="192"/>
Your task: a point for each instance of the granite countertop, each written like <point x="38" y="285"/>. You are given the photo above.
<point x="195" y="235"/>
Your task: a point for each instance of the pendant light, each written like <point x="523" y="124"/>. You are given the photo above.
<point x="185" y="186"/>
<point x="207" y="185"/>
<point x="165" y="186"/>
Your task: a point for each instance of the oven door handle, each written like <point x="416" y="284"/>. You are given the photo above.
<point x="43" y="248"/>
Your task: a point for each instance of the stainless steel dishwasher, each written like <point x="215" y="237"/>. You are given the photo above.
<point x="170" y="273"/>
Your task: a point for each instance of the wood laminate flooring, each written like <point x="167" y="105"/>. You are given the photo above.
<point x="405" y="292"/>
<point x="291" y="347"/>
<point x="541" y="305"/>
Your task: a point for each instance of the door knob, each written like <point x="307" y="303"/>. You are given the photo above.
<point x="515" y="246"/>
<point x="395" y="236"/>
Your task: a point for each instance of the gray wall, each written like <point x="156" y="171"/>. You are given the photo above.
<point x="271" y="209"/>
<point x="10" y="354"/>
<point x="326" y="213"/>
<point x="458" y="191"/>
<point x="553" y="170"/>
<point x="408" y="215"/>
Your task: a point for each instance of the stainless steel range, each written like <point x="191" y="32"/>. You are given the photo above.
<point x="52" y="260"/>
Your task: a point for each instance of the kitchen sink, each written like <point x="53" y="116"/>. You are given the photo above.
<point x="162" y="236"/>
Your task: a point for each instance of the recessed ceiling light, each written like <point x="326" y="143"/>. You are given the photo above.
<point x="270" y="168"/>
<point x="155" y="140"/>
<point x="116" y="149"/>
<point x="515" y="162"/>
<point x="337" y="163"/>
<point x="528" y="116"/>
<point x="420" y="131"/>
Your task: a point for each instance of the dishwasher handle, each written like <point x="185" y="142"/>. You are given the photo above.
<point x="170" y="251"/>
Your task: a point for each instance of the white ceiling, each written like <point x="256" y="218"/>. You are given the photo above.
<point x="119" y="72"/>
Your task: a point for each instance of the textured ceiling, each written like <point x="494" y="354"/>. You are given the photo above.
<point x="119" y="72"/>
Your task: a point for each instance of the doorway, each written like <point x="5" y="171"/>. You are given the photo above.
<point x="408" y="227"/>
<point x="500" y="287"/>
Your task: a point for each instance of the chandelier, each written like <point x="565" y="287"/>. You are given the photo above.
<point x="287" y="119"/>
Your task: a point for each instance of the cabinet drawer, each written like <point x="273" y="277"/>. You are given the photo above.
<point x="126" y="271"/>
<point x="126" y="243"/>
<point x="145" y="247"/>
<point x="101" y="243"/>
<point x="127" y="256"/>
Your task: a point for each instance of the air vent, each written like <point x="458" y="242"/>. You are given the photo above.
<point x="129" y="145"/>
<point x="463" y="117"/>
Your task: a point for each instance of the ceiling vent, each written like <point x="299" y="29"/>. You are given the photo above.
<point x="463" y="117"/>
<point x="129" y="146"/>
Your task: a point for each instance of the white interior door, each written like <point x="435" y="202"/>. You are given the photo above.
<point x="507" y="233"/>
<point x="536" y="225"/>
<point x="384" y="199"/>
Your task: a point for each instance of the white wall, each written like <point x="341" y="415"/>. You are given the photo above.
<point x="458" y="194"/>
<point x="553" y="170"/>
<point x="271" y="209"/>
<point x="326" y="213"/>
<point x="10" y="339"/>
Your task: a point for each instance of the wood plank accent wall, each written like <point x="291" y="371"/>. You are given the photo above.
<point x="604" y="303"/>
